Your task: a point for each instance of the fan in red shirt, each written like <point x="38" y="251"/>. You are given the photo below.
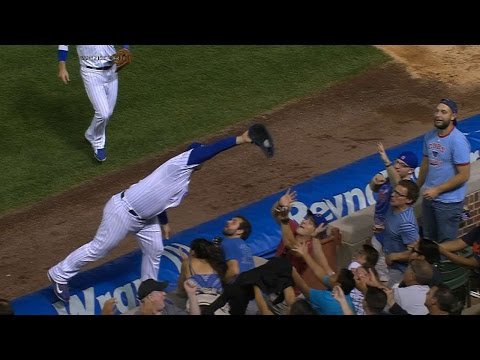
<point x="313" y="225"/>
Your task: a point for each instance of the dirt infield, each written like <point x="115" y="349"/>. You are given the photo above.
<point x="392" y="104"/>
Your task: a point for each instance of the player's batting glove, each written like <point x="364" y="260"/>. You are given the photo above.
<point x="261" y="137"/>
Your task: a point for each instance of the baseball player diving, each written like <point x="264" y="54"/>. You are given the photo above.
<point x="98" y="67"/>
<point x="136" y="209"/>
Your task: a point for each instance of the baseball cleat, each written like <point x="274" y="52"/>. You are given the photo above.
<point x="60" y="290"/>
<point x="100" y="154"/>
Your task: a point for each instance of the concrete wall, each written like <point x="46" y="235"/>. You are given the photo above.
<point x="356" y="229"/>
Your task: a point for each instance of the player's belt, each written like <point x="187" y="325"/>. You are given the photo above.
<point x="99" y="68"/>
<point x="130" y="210"/>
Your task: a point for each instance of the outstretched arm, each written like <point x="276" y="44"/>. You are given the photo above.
<point x="280" y="211"/>
<point x="320" y="256"/>
<point x="339" y="295"/>
<point x="318" y="269"/>
<point x="283" y="205"/>
<point x="200" y="154"/>
<point x="392" y="173"/>
<point x="301" y="284"/>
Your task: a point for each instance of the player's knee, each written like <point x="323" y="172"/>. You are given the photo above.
<point x="104" y="114"/>
<point x="97" y="250"/>
<point x="158" y="252"/>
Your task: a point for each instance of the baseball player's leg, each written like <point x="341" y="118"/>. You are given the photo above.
<point x="113" y="229"/>
<point x="112" y="92"/>
<point x="96" y="88"/>
<point x="151" y="242"/>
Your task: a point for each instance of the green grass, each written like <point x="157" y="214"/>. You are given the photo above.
<point x="168" y="95"/>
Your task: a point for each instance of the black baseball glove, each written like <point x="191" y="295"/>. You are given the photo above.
<point x="261" y="137"/>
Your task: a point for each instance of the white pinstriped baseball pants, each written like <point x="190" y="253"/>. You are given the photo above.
<point x="116" y="223"/>
<point x="102" y="89"/>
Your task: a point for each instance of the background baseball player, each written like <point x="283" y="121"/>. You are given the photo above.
<point x="136" y="209"/>
<point x="99" y="75"/>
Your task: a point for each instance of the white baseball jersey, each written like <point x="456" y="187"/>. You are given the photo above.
<point x="96" y="56"/>
<point x="162" y="189"/>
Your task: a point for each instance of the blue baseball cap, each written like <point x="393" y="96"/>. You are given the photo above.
<point x="409" y="158"/>
<point x="451" y="104"/>
<point x="316" y="218"/>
